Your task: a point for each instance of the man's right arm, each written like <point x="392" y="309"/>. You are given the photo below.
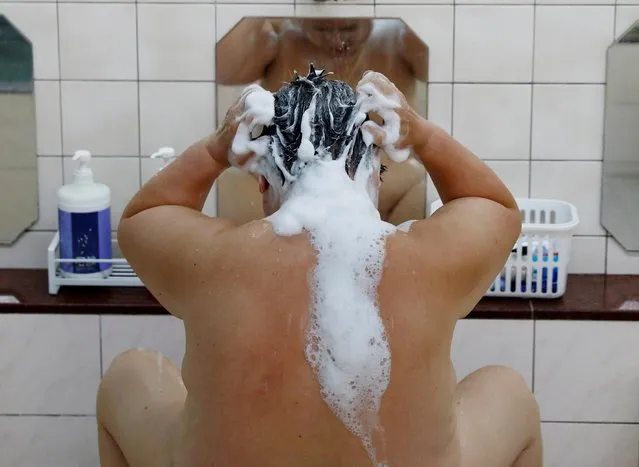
<point x="246" y="51"/>
<point x="472" y="235"/>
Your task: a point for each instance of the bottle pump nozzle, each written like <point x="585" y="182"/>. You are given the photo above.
<point x="167" y="154"/>
<point x="83" y="173"/>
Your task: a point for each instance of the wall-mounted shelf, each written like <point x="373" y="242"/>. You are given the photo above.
<point x="122" y="275"/>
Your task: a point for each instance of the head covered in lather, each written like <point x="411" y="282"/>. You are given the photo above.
<point x="331" y="111"/>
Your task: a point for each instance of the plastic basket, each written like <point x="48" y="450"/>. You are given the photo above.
<point x="538" y="264"/>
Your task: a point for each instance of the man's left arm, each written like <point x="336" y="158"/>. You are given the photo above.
<point x="162" y="227"/>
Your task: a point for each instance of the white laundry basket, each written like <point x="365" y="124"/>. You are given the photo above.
<point x="538" y="264"/>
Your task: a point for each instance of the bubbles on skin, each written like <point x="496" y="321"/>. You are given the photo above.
<point x="346" y="341"/>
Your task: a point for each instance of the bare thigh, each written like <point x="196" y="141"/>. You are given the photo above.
<point x="139" y="407"/>
<point x="498" y="420"/>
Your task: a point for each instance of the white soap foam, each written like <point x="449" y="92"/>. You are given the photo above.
<point x="259" y="112"/>
<point x="346" y="339"/>
<point x="370" y="99"/>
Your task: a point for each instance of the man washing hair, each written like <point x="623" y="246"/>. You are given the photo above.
<point x="249" y="393"/>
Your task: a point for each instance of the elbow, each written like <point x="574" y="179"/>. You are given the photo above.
<point x="512" y="223"/>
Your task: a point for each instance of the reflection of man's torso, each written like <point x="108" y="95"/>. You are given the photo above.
<point x="403" y="191"/>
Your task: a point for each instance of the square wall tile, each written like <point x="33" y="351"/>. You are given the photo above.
<point x="626" y="17"/>
<point x="627" y="2"/>
<point x="621" y="261"/>
<point x="514" y="174"/>
<point x="28" y="251"/>
<point x="243" y="3"/>
<point x="100" y="116"/>
<point x="49" y="181"/>
<point x="39" y="23"/>
<point x="478" y="343"/>
<point x="588" y="255"/>
<point x="440" y="105"/>
<point x="121" y="174"/>
<point x="571" y="43"/>
<point x="48" y="126"/>
<point x="494" y="43"/>
<point x="89" y="48"/>
<point x="590" y="445"/>
<point x="493" y="120"/>
<point x="162" y="333"/>
<point x="342" y="2"/>
<point x="434" y="25"/>
<point x="587" y="371"/>
<point x="568" y="121"/>
<point x="330" y="9"/>
<point x="229" y="15"/>
<point x="415" y="2"/>
<point x="578" y="182"/>
<point x="175" y="114"/>
<point x="166" y="52"/>
<point x="49" y="441"/>
<point x="50" y="364"/>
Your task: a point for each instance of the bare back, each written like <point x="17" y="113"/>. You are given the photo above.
<point x="252" y="397"/>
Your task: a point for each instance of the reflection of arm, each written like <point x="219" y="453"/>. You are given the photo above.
<point x="414" y="52"/>
<point x="245" y="52"/>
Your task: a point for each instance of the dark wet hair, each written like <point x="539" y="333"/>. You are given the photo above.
<point x="332" y="128"/>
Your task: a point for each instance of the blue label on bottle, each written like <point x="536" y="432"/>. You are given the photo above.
<point x="85" y="235"/>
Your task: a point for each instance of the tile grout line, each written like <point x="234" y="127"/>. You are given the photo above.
<point x="137" y="60"/>
<point x="57" y="14"/>
<point x="534" y="345"/>
<point x="532" y="105"/>
<point x="101" y="359"/>
<point x="48" y="415"/>
<point x="452" y="77"/>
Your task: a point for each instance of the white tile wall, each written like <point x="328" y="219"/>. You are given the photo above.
<point x="89" y="48"/>
<point x="494" y="43"/>
<point x="481" y="342"/>
<point x="520" y="83"/>
<point x="571" y="42"/>
<point x="48" y="124"/>
<point x="166" y="52"/>
<point x="493" y="120"/>
<point x="162" y="118"/>
<point x="587" y="371"/>
<point x="568" y="122"/>
<point x="162" y="333"/>
<point x="101" y="116"/>
<point x="590" y="445"/>
<point x="49" y="441"/>
<point x="50" y="364"/>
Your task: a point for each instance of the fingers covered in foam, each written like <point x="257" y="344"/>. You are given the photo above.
<point x="258" y="110"/>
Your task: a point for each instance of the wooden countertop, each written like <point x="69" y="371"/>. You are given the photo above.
<point x="588" y="297"/>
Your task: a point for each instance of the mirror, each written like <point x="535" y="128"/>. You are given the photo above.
<point x="268" y="51"/>
<point x="18" y="163"/>
<point x="620" y="192"/>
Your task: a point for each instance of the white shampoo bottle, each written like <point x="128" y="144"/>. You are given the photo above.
<point x="84" y="222"/>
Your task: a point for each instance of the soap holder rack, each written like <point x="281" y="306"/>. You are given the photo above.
<point x="122" y="274"/>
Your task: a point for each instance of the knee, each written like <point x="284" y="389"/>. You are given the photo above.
<point x="121" y="371"/>
<point x="505" y="382"/>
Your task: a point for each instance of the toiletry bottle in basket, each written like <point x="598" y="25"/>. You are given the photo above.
<point x="84" y="220"/>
